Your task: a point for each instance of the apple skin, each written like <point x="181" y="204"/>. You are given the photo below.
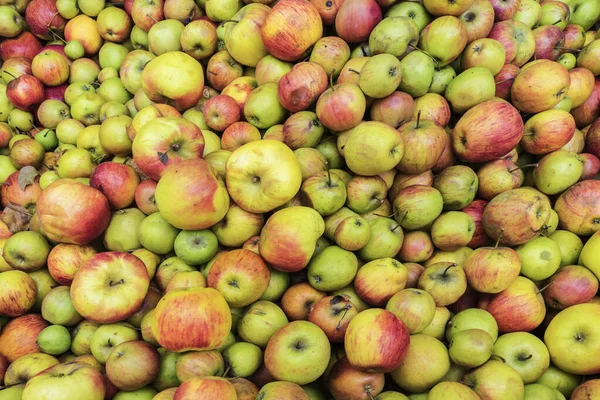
<point x="518" y="40"/>
<point x="301" y="86"/>
<point x="71" y="212"/>
<point x="588" y="389"/>
<point x="147" y="13"/>
<point x="394" y="110"/>
<point x="578" y="208"/>
<point x="592" y="139"/>
<point x="381" y="351"/>
<point x="65" y="260"/>
<point x="356" y="19"/>
<point x="547" y="39"/>
<point x="540" y="85"/>
<point x="117" y="182"/>
<point x="423" y="145"/>
<point x="278" y="390"/>
<point x="487" y="131"/>
<point x="494" y="379"/>
<point x="547" y="131"/>
<point x="186" y="311"/>
<point x="492" y="269"/>
<point x="333" y="314"/>
<point x="291" y="27"/>
<point x="93" y="299"/>
<point x="504" y="80"/>
<point x="588" y="111"/>
<point x="348" y="382"/>
<point x="85" y="30"/>
<point x="43" y="17"/>
<point x="519" y="307"/>
<point x="66" y="381"/>
<point x="18" y="293"/>
<point x="132" y="365"/>
<point x="571" y="336"/>
<point x="453" y="35"/>
<point x="185" y="82"/>
<point x="12" y="193"/>
<point x="507" y="218"/>
<point x="18" y="336"/>
<point x="25" y="92"/>
<point x="378" y="280"/>
<point x="288" y="239"/>
<point x="341" y="107"/>
<point x="571" y="285"/>
<point x="209" y="388"/>
<point x="198" y="364"/>
<point x="25" y="45"/>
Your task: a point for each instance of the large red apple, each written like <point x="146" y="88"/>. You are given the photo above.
<point x="578" y="208"/>
<point x="25" y="45"/>
<point x="71" y="212"/>
<point x="540" y="85"/>
<point x="356" y="19"/>
<point x="117" y="181"/>
<point x="19" y="335"/>
<point x="302" y="86"/>
<point x="43" y="17"/>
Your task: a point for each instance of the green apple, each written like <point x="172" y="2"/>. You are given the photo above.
<point x="557" y="171"/>
<point x="75" y="163"/>
<point x="167" y="375"/>
<point x="145" y="393"/>
<point x="473" y="86"/>
<point x="415" y="207"/>
<point x="7" y="168"/>
<point x="570" y="246"/>
<point x="113" y="90"/>
<point x="54" y="340"/>
<point x="525" y="353"/>
<point x="58" y="309"/>
<point x="394" y="35"/>
<point x="262" y="108"/>
<point x="418" y="373"/>
<point x="441" y="79"/>
<point x="559" y="380"/>
<point x="452" y="230"/>
<point x="389" y="395"/>
<point x="109" y="336"/>
<point x="495" y="380"/>
<point x="164" y="36"/>
<point x="540" y="258"/>
<point x="74" y="49"/>
<point x="139" y="38"/>
<point x="86" y="108"/>
<point x="444" y="38"/>
<point x="412" y="10"/>
<point x="385" y="241"/>
<point x="45" y="283"/>
<point x="324" y="278"/>
<point x="222" y="10"/>
<point x="121" y="233"/>
<point x="472" y="318"/>
<point x="196" y="247"/>
<point x="67" y="9"/>
<point x="243" y="34"/>
<point x="528" y="13"/>
<point x="487" y="53"/>
<point x="48" y="139"/>
<point x="26" y="251"/>
<point x="538" y="391"/>
<point x="156" y="234"/>
<point x="81" y="337"/>
<point x="445" y="281"/>
<point x="437" y="327"/>
<point x="260" y="321"/>
<point x="112" y="55"/>
<point x="67" y="131"/>
<point x="418" y="70"/>
<point x="21" y="120"/>
<point x="583" y="13"/>
<point x="568" y="60"/>
<point x="270" y="70"/>
<point x="452" y="391"/>
<point x="414" y="307"/>
<point x="91" y="7"/>
<point x="243" y="358"/>
<point x="12" y="393"/>
<point x="76" y="89"/>
<point x="471" y="348"/>
<point x="325" y="192"/>
<point x="11" y="22"/>
<point x="380" y="76"/>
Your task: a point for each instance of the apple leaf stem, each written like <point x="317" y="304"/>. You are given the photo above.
<point x="544" y="288"/>
<point x="510" y="171"/>
<point x="346" y="308"/>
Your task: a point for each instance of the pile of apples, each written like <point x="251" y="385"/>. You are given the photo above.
<point x="299" y="199"/>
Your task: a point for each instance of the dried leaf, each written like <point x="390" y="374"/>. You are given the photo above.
<point x="27" y="176"/>
<point x="131" y="162"/>
<point x="163" y="157"/>
<point x="16" y="217"/>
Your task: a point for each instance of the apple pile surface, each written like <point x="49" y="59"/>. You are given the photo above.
<point x="299" y="199"/>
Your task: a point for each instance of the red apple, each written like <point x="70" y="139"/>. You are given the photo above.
<point x="144" y="196"/>
<point x="222" y="70"/>
<point x="20" y="194"/>
<point x="192" y="319"/>
<point x="549" y="41"/>
<point x="25" y="92"/>
<point x="570" y="285"/>
<point x="589" y="111"/>
<point x="133" y="365"/>
<point x="327" y="9"/>
<point x="238" y="134"/>
<point x="341" y="107"/>
<point x="504" y="80"/>
<point x="591" y="166"/>
<point x="50" y="67"/>
<point x="65" y="260"/>
<point x="15" y="67"/>
<point x="384" y="348"/>
<point x="350" y="383"/>
<point x="578" y="208"/>
<point x="547" y="131"/>
<point x="118" y="182"/>
<point x="207" y="388"/>
<point x="146" y="13"/>
<point x="505" y="9"/>
<point x="333" y="314"/>
<point x="478" y="19"/>
<point x="299" y="299"/>
<point x="55" y="92"/>
<point x="475" y="210"/>
<point x="302" y="86"/>
<point x="18" y="337"/>
<point x="356" y="19"/>
<point x="43" y="17"/>
<point x="487" y="131"/>
<point x="25" y="45"/>
<point x="394" y="110"/>
<point x="71" y="212"/>
<point x="220" y="112"/>
<point x="291" y="28"/>
<point x="516" y="37"/>
<point x="540" y="85"/>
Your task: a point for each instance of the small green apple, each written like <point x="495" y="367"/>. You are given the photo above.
<point x="540" y="258"/>
<point x="196" y="247"/>
<point x="156" y="234"/>
<point x="471" y="348"/>
<point x="54" y="340"/>
<point x="243" y="358"/>
<point x="324" y="278"/>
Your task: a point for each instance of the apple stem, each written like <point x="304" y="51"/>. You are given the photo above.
<point x="567" y="48"/>
<point x="437" y="64"/>
<point x="51" y="21"/>
<point x="498" y="358"/>
<point x="353" y="70"/>
<point x="510" y="171"/>
<point x="396" y="227"/>
<point x="385" y="216"/>
<point x="11" y="385"/>
<point x="368" y="391"/>
<point x="347" y="307"/>
<point x="448" y="268"/>
<point x="525" y="358"/>
<point x="9" y="73"/>
<point x="505" y="80"/>
<point x="152" y="18"/>
<point x="499" y="238"/>
<point x="57" y="36"/>
<point x="226" y="371"/>
<point x="544" y="288"/>
<point x="418" y="119"/>
<point x="329" y="176"/>
<point x="331" y="79"/>
<point x="558" y="21"/>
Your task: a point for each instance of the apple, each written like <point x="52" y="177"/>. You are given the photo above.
<point x="18" y="336"/>
<point x="191" y="303"/>
<point x="67" y="381"/>
<point x="487" y="53"/>
<point x="320" y="275"/>
<point x="333" y="314"/>
<point x="478" y="19"/>
<point x="243" y="34"/>
<point x="525" y="353"/>
<point x="566" y="340"/>
<point x="18" y="294"/>
<point x="24" y="368"/>
<point x="423" y="145"/>
<point x="304" y="27"/>
<point x="210" y="387"/>
<point x="571" y="285"/>
<point x="199" y="39"/>
<point x="414" y="307"/>
<point x="183" y="70"/>
<point x="452" y="230"/>
<point x="85" y="30"/>
<point x="495" y="379"/>
<point x="414" y="373"/>
<point x="528" y="13"/>
<point x="289" y="342"/>
<point x="519" y="307"/>
<point x="394" y="110"/>
<point x="280" y="389"/>
<point x="382" y="140"/>
<point x="564" y="163"/>
<point x="25" y="91"/>
<point x="331" y="53"/>
<point x="473" y="143"/>
<point x="222" y="70"/>
<point x="580" y="218"/>
<point x="194" y="364"/>
<point x="454" y="33"/>
<point x="262" y="108"/>
<point x="114" y="24"/>
<point x="147" y="13"/>
<point x="545" y="95"/>
<point x="417" y="206"/>
<point x="504" y="80"/>
<point x="445" y="281"/>
<point x="370" y="277"/>
<point x="348" y="382"/>
<point x="492" y="269"/>
<point x="478" y="82"/>
<point x="220" y="112"/>
<point x="24" y="45"/>
<point x="260" y="321"/>
<point x="341" y="107"/>
<point x="43" y="18"/>
<point x="547" y="131"/>
<point x="355" y="20"/>
<point x="516" y="37"/>
<point x="132" y="365"/>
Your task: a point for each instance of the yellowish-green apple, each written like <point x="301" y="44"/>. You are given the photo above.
<point x="66" y="381"/>
<point x="263" y="175"/>
<point x="243" y="34"/>
<point x="589" y="254"/>
<point x="372" y="148"/>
